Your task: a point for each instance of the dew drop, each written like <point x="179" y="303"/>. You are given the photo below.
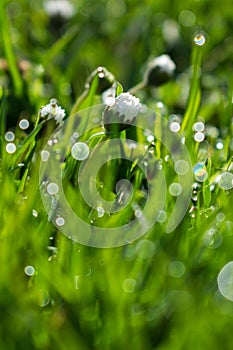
<point x="162" y="216"/>
<point x="100" y="212"/>
<point x="29" y="270"/>
<point x="176" y="269"/>
<point x="9" y="136"/>
<point x="199" y="136"/>
<point x="226" y="181"/>
<point x="44" y="155"/>
<point x="43" y="297"/>
<point x="175" y="189"/>
<point x="175" y="127"/>
<point x="150" y="138"/>
<point x="52" y="188"/>
<point x="80" y="151"/>
<point x="24" y="124"/>
<point x="199" y="40"/>
<point x="145" y="249"/>
<point x="219" y="145"/>
<point x="200" y="172"/>
<point x="129" y="285"/>
<point x="225" y="281"/>
<point x="34" y="213"/>
<point x="181" y="167"/>
<point x="60" y="221"/>
<point x="10" y="148"/>
<point x="199" y="126"/>
<point x="220" y="217"/>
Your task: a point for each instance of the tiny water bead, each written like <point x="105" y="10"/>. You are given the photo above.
<point x="150" y="138"/>
<point x="24" y="124"/>
<point x="176" y="269"/>
<point x="10" y="148"/>
<point x="145" y="249"/>
<point x="80" y="151"/>
<point x="225" y="281"/>
<point x="220" y="217"/>
<point x="219" y="145"/>
<point x="199" y="126"/>
<point x="100" y="212"/>
<point x="29" y="270"/>
<point x="175" y="189"/>
<point x="181" y="167"/>
<point x="162" y="216"/>
<point x="226" y="181"/>
<point x="44" y="155"/>
<point x="200" y="172"/>
<point x="60" y="221"/>
<point x="52" y="188"/>
<point x="175" y="127"/>
<point x="9" y="136"/>
<point x="129" y="285"/>
<point x="199" y="136"/>
<point x="199" y="40"/>
<point x="34" y="213"/>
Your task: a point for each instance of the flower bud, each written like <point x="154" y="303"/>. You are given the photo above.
<point x="105" y="79"/>
<point x="159" y="71"/>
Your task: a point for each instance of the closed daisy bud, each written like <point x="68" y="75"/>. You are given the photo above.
<point x="159" y="71"/>
<point x="105" y="79"/>
<point x="124" y="111"/>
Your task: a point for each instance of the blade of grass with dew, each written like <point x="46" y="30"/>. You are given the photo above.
<point x="194" y="97"/>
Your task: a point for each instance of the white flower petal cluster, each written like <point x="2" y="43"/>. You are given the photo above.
<point x="52" y="110"/>
<point x="127" y="106"/>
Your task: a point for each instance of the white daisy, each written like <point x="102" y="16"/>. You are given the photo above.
<point x="52" y="110"/>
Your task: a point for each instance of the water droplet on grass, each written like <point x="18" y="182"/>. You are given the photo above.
<point x="162" y="216"/>
<point x="176" y="269"/>
<point x="220" y="217"/>
<point x="219" y="145"/>
<point x="24" y="124"/>
<point x="181" y="167"/>
<point x="225" y="281"/>
<point x="100" y="211"/>
<point x="199" y="40"/>
<point x="226" y="181"/>
<point x="9" y="136"/>
<point x="80" y="151"/>
<point x="199" y="126"/>
<point x="150" y="138"/>
<point x="175" y="189"/>
<point x="34" y="213"/>
<point x="29" y="270"/>
<point x="175" y="127"/>
<point x="60" y="221"/>
<point x="44" y="155"/>
<point x="200" y="172"/>
<point x="52" y="188"/>
<point x="199" y="136"/>
<point x="10" y="148"/>
<point x="129" y="285"/>
<point x="145" y="249"/>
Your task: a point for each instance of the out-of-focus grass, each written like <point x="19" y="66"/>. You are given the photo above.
<point x="159" y="292"/>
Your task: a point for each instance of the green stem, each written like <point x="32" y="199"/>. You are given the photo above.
<point x="194" y="91"/>
<point x="137" y="87"/>
<point x="8" y="48"/>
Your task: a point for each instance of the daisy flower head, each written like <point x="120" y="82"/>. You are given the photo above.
<point x="125" y="109"/>
<point x="159" y="71"/>
<point x="52" y="110"/>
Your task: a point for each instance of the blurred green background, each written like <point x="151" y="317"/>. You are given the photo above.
<point x="158" y="293"/>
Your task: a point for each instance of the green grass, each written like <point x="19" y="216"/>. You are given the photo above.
<point x="159" y="291"/>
